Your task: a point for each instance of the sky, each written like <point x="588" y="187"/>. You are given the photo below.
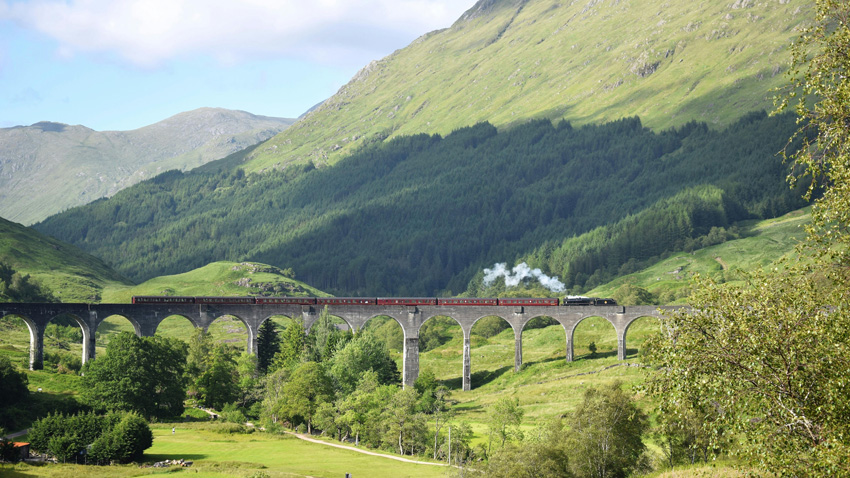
<point x="116" y="65"/>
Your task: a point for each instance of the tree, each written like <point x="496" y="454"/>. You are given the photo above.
<point x="605" y="434"/>
<point x="291" y="346"/>
<point x="219" y="383"/>
<point x="542" y="455"/>
<point x="142" y="374"/>
<point x="268" y="344"/>
<point x="359" y="355"/>
<point x="503" y="421"/>
<point x="405" y="427"/>
<point x="13" y="384"/>
<point x="307" y="389"/>
<point x="773" y="358"/>
<point x="820" y="92"/>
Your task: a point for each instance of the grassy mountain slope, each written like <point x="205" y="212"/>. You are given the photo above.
<point x="506" y="61"/>
<point x="48" y="167"/>
<point x="424" y="214"/>
<point x="71" y="274"/>
<point x="761" y="245"/>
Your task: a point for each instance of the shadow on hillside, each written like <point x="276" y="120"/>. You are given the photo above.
<point x="478" y="378"/>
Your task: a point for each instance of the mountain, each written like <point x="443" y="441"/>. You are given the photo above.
<point x="71" y="274"/>
<point x="421" y="215"/>
<point x="392" y="187"/>
<point x="49" y="167"/>
<point x="586" y="61"/>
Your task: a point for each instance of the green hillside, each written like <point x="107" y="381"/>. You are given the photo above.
<point x="71" y="274"/>
<point x="506" y="61"/>
<point x="219" y="279"/>
<point x="422" y="215"/>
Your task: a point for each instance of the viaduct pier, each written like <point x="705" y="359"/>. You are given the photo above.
<point x="145" y="319"/>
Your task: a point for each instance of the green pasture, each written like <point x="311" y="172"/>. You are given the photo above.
<point x="217" y="455"/>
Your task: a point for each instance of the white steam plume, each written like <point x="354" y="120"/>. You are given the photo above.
<point x="519" y="273"/>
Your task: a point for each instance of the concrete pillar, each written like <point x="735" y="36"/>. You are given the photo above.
<point x="89" y="346"/>
<point x="252" y="340"/>
<point x="89" y="341"/>
<point x="621" y="345"/>
<point x="467" y="363"/>
<point x="36" y="347"/>
<point x="410" y="361"/>
<point x="570" y="356"/>
<point x="517" y="351"/>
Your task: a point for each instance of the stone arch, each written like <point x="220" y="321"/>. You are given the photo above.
<point x="251" y="334"/>
<point x="524" y="326"/>
<point x="494" y="353"/>
<point x="34" y="352"/>
<point x="171" y="319"/>
<point x="416" y="337"/>
<point x="572" y="331"/>
<point x="309" y="324"/>
<point x="111" y="322"/>
<point x="392" y="318"/>
<point x="642" y="319"/>
<point x="88" y="335"/>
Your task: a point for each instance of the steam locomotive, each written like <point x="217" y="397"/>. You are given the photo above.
<point x="452" y="301"/>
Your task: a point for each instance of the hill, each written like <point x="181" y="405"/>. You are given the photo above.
<point x="49" y="167"/>
<point x="435" y="211"/>
<point x="71" y="274"/>
<point x="219" y="279"/>
<point x="593" y="61"/>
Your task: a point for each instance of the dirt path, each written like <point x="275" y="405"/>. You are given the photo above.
<point x="365" y="452"/>
<point x="344" y="447"/>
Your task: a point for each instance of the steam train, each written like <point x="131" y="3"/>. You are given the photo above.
<point x="451" y="301"/>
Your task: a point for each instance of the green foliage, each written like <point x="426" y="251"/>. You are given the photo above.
<point x="820" y="93"/>
<point x="774" y="358"/>
<point x="55" y="270"/>
<point x="605" y="434"/>
<point x="17" y="287"/>
<point x="361" y="354"/>
<point x="404" y="426"/>
<point x="13" y="385"/>
<point x="544" y="454"/>
<point x="268" y="344"/>
<point x="142" y="374"/>
<point x="303" y="394"/>
<point x="126" y="441"/>
<point x="219" y="383"/>
<point x="503" y="422"/>
<point x="630" y="294"/>
<point x="116" y="437"/>
<point x="292" y="346"/>
<point x="382" y="213"/>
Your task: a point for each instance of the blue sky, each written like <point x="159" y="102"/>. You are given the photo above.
<point x="124" y="64"/>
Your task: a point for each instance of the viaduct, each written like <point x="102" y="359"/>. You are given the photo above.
<point x="145" y="319"/>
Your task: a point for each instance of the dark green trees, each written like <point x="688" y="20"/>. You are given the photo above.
<point x="142" y="374"/>
<point x="121" y="437"/>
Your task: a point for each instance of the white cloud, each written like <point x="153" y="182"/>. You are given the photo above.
<point x="149" y="33"/>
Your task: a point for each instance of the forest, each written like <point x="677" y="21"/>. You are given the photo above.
<point x="422" y="215"/>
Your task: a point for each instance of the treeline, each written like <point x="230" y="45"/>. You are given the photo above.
<point x="421" y="215"/>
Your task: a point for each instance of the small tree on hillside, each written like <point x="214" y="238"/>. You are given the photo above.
<point x="605" y="434"/>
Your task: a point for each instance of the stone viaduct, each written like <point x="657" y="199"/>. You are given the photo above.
<point x="145" y="319"/>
